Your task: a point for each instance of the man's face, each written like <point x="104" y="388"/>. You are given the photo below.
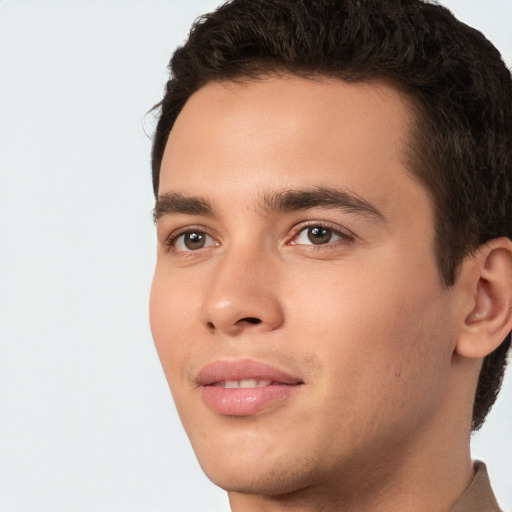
<point x="295" y="259"/>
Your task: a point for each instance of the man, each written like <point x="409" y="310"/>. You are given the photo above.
<point x="333" y="291"/>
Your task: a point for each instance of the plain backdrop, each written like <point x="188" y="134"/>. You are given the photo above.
<point x="86" y="419"/>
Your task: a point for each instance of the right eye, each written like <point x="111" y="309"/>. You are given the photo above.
<point x="191" y="241"/>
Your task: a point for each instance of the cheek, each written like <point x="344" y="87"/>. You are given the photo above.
<point x="171" y="324"/>
<point x="385" y="359"/>
<point x="380" y="337"/>
<point x="170" y="320"/>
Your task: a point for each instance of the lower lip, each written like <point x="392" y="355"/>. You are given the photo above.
<point x="246" y="401"/>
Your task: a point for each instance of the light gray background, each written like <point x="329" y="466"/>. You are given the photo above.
<point x="86" y="420"/>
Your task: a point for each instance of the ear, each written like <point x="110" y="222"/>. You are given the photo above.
<point x="487" y="279"/>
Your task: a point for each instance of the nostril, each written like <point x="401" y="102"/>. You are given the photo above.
<point x="251" y="320"/>
<point x="246" y="320"/>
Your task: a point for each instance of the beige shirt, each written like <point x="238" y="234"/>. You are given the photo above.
<point x="478" y="496"/>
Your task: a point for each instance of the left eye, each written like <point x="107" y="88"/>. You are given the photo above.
<point x="192" y="241"/>
<point x="316" y="235"/>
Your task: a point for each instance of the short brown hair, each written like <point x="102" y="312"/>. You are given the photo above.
<point x="455" y="78"/>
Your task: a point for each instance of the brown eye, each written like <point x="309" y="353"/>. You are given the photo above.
<point x="319" y="235"/>
<point x="192" y="241"/>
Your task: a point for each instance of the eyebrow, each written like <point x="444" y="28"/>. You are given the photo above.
<point x="273" y="202"/>
<point x="177" y="203"/>
<point x="320" y="197"/>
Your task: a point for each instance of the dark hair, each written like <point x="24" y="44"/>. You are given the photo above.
<point x="455" y="79"/>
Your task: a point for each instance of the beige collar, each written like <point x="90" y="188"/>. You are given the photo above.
<point x="478" y="496"/>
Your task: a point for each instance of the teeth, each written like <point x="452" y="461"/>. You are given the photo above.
<point x="246" y="383"/>
<point x="263" y="383"/>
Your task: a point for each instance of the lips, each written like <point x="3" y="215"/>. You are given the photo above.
<point x="245" y="387"/>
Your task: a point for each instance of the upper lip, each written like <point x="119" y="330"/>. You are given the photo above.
<point x="235" y="370"/>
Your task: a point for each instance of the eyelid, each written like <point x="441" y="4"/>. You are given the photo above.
<point x="171" y="238"/>
<point x="345" y="234"/>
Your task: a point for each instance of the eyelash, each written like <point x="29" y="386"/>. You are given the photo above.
<point x="171" y="240"/>
<point x="344" y="237"/>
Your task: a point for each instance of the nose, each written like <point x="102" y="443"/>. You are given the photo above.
<point x="243" y="295"/>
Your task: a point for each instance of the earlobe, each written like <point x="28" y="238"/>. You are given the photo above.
<point x="489" y="279"/>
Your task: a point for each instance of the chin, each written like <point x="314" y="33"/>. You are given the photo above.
<point x="270" y="482"/>
<point x="263" y="475"/>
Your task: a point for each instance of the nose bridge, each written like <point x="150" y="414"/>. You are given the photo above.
<point x="242" y="292"/>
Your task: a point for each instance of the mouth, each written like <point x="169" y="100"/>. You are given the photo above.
<point x="245" y="387"/>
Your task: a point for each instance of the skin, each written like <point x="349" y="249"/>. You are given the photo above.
<point x="364" y="320"/>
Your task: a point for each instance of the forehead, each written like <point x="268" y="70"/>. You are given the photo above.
<point x="290" y="132"/>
